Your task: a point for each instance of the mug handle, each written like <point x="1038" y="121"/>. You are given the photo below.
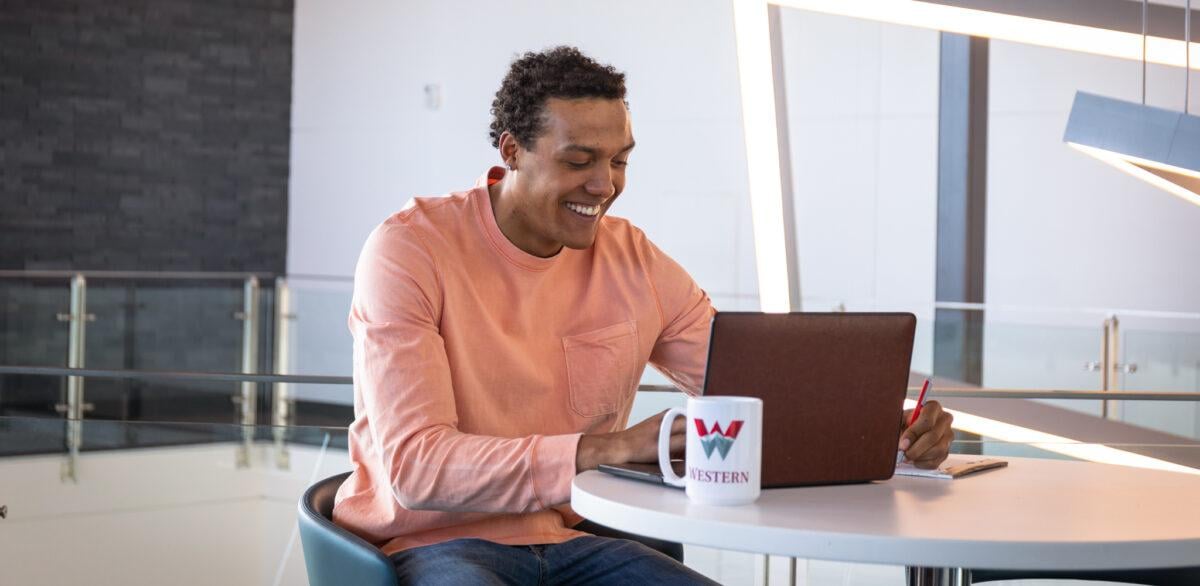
<point x="664" y="446"/>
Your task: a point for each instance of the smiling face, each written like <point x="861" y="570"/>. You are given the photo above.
<point x="560" y="187"/>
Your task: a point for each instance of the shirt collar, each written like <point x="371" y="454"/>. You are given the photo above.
<point x="492" y="177"/>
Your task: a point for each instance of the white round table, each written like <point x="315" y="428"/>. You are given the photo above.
<point x="1033" y="515"/>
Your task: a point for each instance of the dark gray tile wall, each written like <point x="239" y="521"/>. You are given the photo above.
<point x="140" y="135"/>
<point x="144" y="135"/>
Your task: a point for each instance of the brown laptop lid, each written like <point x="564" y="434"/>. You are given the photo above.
<point x="832" y="385"/>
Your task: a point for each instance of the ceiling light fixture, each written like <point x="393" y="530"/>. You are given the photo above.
<point x="1157" y="145"/>
<point x="1042" y="32"/>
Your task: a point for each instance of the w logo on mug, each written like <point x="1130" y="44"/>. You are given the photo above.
<point x="713" y="438"/>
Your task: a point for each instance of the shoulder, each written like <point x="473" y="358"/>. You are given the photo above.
<point x="423" y="221"/>
<point x="407" y="240"/>
<point x="428" y="214"/>
<point x="619" y="235"/>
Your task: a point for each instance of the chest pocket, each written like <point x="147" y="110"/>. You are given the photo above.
<point x="601" y="366"/>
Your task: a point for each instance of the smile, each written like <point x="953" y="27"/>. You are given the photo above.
<point x="589" y="211"/>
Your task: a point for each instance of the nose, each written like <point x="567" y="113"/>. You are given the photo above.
<point x="601" y="183"/>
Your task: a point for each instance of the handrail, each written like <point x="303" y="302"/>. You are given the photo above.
<point x="177" y="374"/>
<point x="942" y="392"/>
<point x="149" y="275"/>
<point x="976" y="393"/>
<point x="230" y="275"/>
<point x="1151" y="313"/>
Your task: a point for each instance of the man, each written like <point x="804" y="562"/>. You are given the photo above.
<point x="499" y="337"/>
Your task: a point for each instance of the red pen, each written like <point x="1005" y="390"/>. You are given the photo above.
<point x="915" y="415"/>
<point x="920" y="403"/>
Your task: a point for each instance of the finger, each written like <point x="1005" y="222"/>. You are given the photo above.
<point x="921" y="448"/>
<point x="678" y="444"/>
<point x="937" y="454"/>
<point x="933" y="458"/>
<point x="927" y="441"/>
<point x="679" y="425"/>
<point x="938" y="435"/>
<point x="929" y="415"/>
<point x="935" y="440"/>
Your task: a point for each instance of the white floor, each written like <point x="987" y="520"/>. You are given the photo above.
<point x="190" y="515"/>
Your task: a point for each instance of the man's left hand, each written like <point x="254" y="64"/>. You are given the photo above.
<point x="927" y="442"/>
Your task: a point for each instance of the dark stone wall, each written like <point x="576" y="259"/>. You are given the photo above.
<point x="144" y="134"/>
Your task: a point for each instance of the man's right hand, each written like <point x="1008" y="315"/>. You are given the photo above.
<point x="635" y="444"/>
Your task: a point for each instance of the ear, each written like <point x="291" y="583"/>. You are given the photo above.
<point x="509" y="148"/>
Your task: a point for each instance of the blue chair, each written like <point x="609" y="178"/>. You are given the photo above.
<point x="333" y="555"/>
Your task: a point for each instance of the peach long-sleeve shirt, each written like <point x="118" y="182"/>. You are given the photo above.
<point x="477" y="367"/>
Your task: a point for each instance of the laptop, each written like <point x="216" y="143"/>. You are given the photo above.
<point x="832" y="385"/>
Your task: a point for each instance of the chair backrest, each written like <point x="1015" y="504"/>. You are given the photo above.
<point x="333" y="555"/>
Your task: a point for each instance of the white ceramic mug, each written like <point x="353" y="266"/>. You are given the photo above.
<point x="723" y="463"/>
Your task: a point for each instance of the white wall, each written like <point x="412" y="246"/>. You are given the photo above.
<point x="862" y="110"/>
<point x="1066" y="231"/>
<point x="363" y="141"/>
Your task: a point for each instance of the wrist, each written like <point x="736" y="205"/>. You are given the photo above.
<point x="592" y="451"/>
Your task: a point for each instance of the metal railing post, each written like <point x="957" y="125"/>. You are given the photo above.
<point x="248" y="400"/>
<point x="1111" y="356"/>
<point x="1111" y="367"/>
<point x="74" y="407"/>
<point x="282" y="415"/>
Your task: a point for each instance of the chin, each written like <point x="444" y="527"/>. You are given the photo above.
<point x="580" y="241"/>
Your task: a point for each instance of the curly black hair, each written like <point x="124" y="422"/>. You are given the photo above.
<point x="561" y="72"/>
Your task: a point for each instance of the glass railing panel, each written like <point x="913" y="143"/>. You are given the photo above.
<point x="319" y="343"/>
<point x="33" y="331"/>
<point x="1161" y="360"/>
<point x="163" y="325"/>
<point x="132" y="321"/>
<point x="319" y="339"/>
<point x="168" y="325"/>
<point x="1039" y="356"/>
<point x="33" y="321"/>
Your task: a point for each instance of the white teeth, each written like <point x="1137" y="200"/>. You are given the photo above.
<point x="585" y="210"/>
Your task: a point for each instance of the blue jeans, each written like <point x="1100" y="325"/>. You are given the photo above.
<point x="583" y="560"/>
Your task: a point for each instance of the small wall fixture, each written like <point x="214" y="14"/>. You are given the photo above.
<point x="1156" y="145"/>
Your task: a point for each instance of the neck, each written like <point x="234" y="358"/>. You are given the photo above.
<point x="504" y="196"/>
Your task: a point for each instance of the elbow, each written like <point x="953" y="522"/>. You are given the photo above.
<point x="416" y="487"/>
<point x="414" y="483"/>
<point x="412" y="502"/>
<point x="414" y="492"/>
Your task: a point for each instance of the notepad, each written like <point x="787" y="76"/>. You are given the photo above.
<point x="955" y="466"/>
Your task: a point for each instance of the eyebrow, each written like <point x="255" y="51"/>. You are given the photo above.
<point x="592" y="151"/>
